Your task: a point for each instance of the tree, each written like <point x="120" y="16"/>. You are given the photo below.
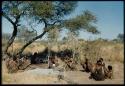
<point x="51" y="14"/>
<point x="53" y="35"/>
<point x="12" y="11"/>
<point x="73" y="41"/>
<point x="25" y="34"/>
<point x="84" y="22"/>
<point x="120" y="37"/>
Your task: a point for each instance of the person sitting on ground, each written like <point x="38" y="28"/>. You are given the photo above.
<point x="33" y="58"/>
<point x="98" y="73"/>
<point x="56" y="61"/>
<point x="51" y="62"/>
<point x="87" y="65"/>
<point x="12" y="65"/>
<point x="109" y="72"/>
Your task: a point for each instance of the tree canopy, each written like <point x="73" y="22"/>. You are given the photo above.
<point x="51" y="14"/>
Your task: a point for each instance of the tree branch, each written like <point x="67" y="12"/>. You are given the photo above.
<point x="18" y="17"/>
<point x="4" y="15"/>
<point x="31" y="41"/>
<point x="15" y="25"/>
<point x="35" y="38"/>
<point x="44" y="21"/>
<point x="34" y="30"/>
<point x="58" y="21"/>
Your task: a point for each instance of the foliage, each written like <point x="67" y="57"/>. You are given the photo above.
<point x="53" y="34"/>
<point x="14" y="10"/>
<point x="83" y="21"/>
<point x="25" y="34"/>
<point x="51" y="14"/>
<point x="120" y="38"/>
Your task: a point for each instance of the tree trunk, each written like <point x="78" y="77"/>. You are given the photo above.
<point x="30" y="42"/>
<point x="11" y="40"/>
<point x="15" y="25"/>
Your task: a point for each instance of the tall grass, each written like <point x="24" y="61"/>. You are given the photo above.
<point x="110" y="51"/>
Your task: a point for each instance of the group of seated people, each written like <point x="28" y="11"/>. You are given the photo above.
<point x="16" y="63"/>
<point x="39" y="57"/>
<point x="68" y="61"/>
<point x="98" y="70"/>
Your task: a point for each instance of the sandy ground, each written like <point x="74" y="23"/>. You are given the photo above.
<point x="37" y="75"/>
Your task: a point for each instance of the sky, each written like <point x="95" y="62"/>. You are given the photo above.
<point x="109" y="15"/>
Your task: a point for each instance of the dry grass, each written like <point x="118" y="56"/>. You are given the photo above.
<point x="70" y="77"/>
<point x="108" y="50"/>
<point x="27" y="77"/>
<point x="111" y="52"/>
<point x="34" y="47"/>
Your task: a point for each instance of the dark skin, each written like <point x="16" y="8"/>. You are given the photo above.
<point x="98" y="71"/>
<point x="87" y="66"/>
<point x="52" y="60"/>
<point x="109" y="72"/>
<point x="33" y="58"/>
<point x="101" y="72"/>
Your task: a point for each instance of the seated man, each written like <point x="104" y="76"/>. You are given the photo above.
<point x="87" y="66"/>
<point x="56" y="61"/>
<point x="108" y="71"/>
<point x="12" y="65"/>
<point x="98" y="71"/>
<point x="51" y="62"/>
<point x="33" y="58"/>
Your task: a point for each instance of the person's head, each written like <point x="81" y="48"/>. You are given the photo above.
<point x="109" y="67"/>
<point x="103" y="64"/>
<point x="35" y="53"/>
<point x="25" y="57"/>
<point x="18" y="56"/>
<point x="101" y="59"/>
<point x="99" y="62"/>
<point x="86" y="59"/>
<point x="14" y="58"/>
